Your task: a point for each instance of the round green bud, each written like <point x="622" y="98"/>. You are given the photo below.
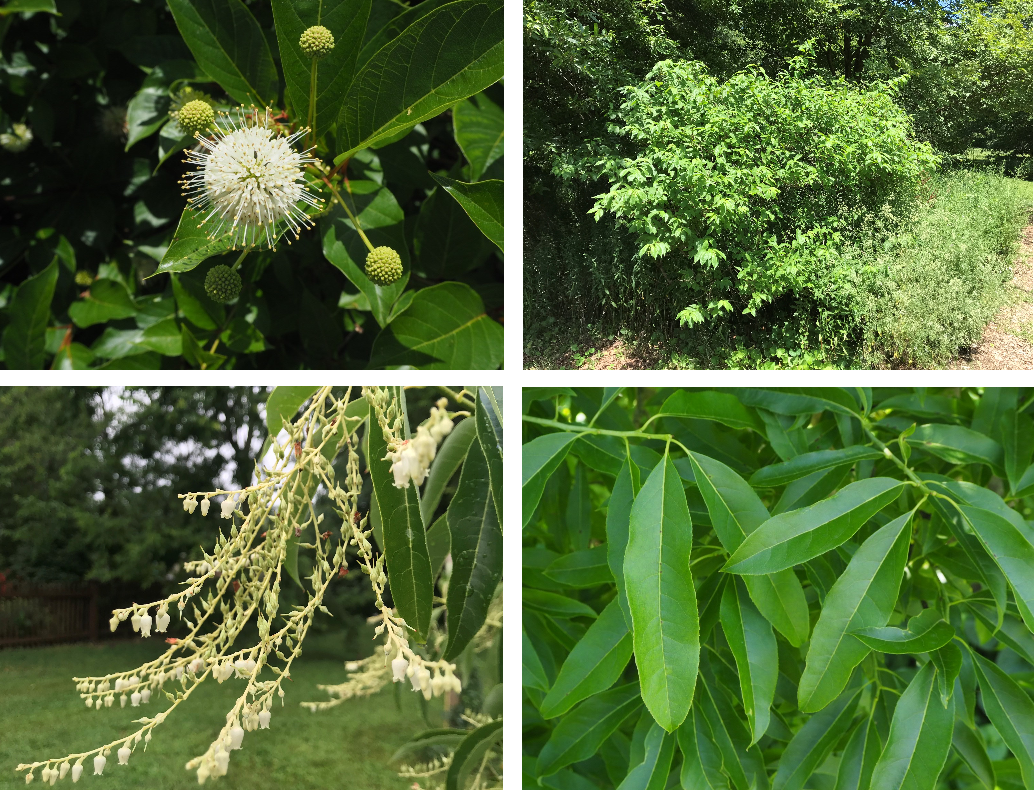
<point x="195" y="116"/>
<point x="223" y="284"/>
<point x="83" y="278"/>
<point x="316" y="42"/>
<point x="383" y="266"/>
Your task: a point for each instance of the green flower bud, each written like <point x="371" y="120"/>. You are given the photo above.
<point x="195" y="116"/>
<point x="83" y="278"/>
<point x="316" y="42"/>
<point x="223" y="284"/>
<point x="383" y="266"/>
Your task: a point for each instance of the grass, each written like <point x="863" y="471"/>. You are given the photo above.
<point x="349" y="746"/>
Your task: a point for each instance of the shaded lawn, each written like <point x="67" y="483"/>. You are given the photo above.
<point x="41" y="715"/>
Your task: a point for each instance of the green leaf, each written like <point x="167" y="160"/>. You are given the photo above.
<point x="106" y="300"/>
<point x="800" y="400"/>
<point x="381" y="219"/>
<point x="806" y="464"/>
<point x="863" y="596"/>
<point x="478" y="124"/>
<point x="483" y="202"/>
<point x="405" y="542"/>
<point x="488" y="416"/>
<point x="229" y="45"/>
<point x="958" y="445"/>
<point x="619" y="511"/>
<point x="346" y="20"/>
<point x="716" y="406"/>
<point x="594" y="665"/>
<point x="948" y="661"/>
<point x="283" y="403"/>
<point x="581" y="732"/>
<point x="661" y="596"/>
<point x="652" y="772"/>
<point x="445" y="328"/>
<point x="446" y="461"/>
<point x="447" y="240"/>
<point x="28" y="7"/>
<point x="1010" y="630"/>
<point x="744" y="766"/>
<point x="1010" y="710"/>
<point x="735" y="512"/>
<point x="859" y="758"/>
<point x="291" y="561"/>
<point x="532" y="673"/>
<point x="920" y="736"/>
<point x="800" y="535"/>
<point x="753" y="645"/>
<point x="810" y="489"/>
<point x="586" y="568"/>
<point x="25" y="336"/>
<point x="925" y="632"/>
<point x="192" y="351"/>
<point x="1012" y="550"/>
<point x="439" y="543"/>
<point x="812" y="743"/>
<point x="391" y="30"/>
<point x="555" y="605"/>
<point x="477" y="553"/>
<point x="539" y="459"/>
<point x="74" y="356"/>
<point x="443" y="57"/>
<point x="470" y="752"/>
<point x="578" y="516"/>
<point x="1017" y="433"/>
<point x="191" y="243"/>
<point x="164" y="337"/>
<point x="970" y="747"/>
<point x="702" y="761"/>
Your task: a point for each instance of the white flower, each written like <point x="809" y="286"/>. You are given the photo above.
<point x="236" y="737"/>
<point x="123" y="699"/>
<point x="145" y="625"/>
<point x="351" y="666"/>
<point x="16" y="143"/>
<point x="145" y="696"/>
<point x="398" y="668"/>
<point x="109" y="700"/>
<point x="135" y="699"/>
<point x="89" y="702"/>
<point x="228" y="506"/>
<point x="251" y="178"/>
<point x="205" y="504"/>
<point x="222" y="762"/>
<point x="264" y="717"/>
<point x="77" y="771"/>
<point x="63" y="770"/>
<point x="196" y="665"/>
<point x="123" y="755"/>
<point x="113" y="622"/>
<point x="45" y="774"/>
<point x="161" y="620"/>
<point x="135" y="620"/>
<point x="28" y="777"/>
<point x="98" y="764"/>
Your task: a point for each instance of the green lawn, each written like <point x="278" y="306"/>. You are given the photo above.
<point x="42" y="716"/>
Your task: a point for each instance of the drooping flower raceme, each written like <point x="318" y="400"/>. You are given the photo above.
<point x="250" y="181"/>
<point x="411" y="459"/>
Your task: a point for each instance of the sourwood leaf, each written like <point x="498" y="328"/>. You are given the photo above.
<point x="925" y="632"/>
<point x="1010" y="710"/>
<point x="539" y="459"/>
<point x="753" y="646"/>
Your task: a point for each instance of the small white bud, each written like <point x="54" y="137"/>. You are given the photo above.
<point x="63" y="770"/>
<point x="133" y="680"/>
<point x="98" y="764"/>
<point x="222" y="762"/>
<point x="205" y="504"/>
<point x="264" y="717"/>
<point x="119" y="683"/>
<point x="77" y="771"/>
<point x="29" y="777"/>
<point x="53" y="777"/>
<point x="123" y="700"/>
<point x="236" y="737"/>
<point x="109" y="700"/>
<point x="45" y="774"/>
<point x="89" y="702"/>
<point x="351" y="666"/>
<point x="135" y="620"/>
<point x="123" y="755"/>
<point x="113" y="622"/>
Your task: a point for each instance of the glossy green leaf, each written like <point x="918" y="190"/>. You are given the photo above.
<point x="753" y="645"/>
<point x="439" y="543"/>
<point x="661" y="596"/>
<point x="581" y="732"/>
<point x="283" y="404"/>
<point x="28" y="7"/>
<point x="744" y="766"/>
<point x="579" y="511"/>
<point x="800" y="535"/>
<point x="920" y="736"/>
<point x="539" y="459"/>
<point x="958" y="445"/>
<point x="477" y="553"/>
<point x="948" y="661"/>
<point x="802" y="465"/>
<point x="970" y="747"/>
<point x="444" y="328"/>
<point x="594" y="665"/>
<point x="483" y="202"/>
<point x="701" y="759"/>
<point x="1010" y="710"/>
<point x="346" y="20"/>
<point x="813" y="743"/>
<point x="810" y="489"/>
<point x="24" y="338"/>
<point x="619" y="511"/>
<point x="586" y="568"/>
<point x="555" y="605"/>
<point x="1012" y="549"/>
<point x="863" y="596"/>
<point x="405" y="542"/>
<point x="230" y="46"/>
<point x="469" y="753"/>
<point x="652" y="772"/>
<point x="1011" y="632"/>
<point x="709" y="405"/>
<point x="532" y="673"/>
<point x="446" y="461"/>
<point x="1017" y="434"/>
<point x="735" y="512"/>
<point x="859" y="758"/>
<point x="800" y="400"/>
<point x="443" y="57"/>
<point x="488" y="417"/>
<point x="924" y="632"/>
<point x="164" y="337"/>
<point x="191" y="243"/>
<point x="478" y="123"/>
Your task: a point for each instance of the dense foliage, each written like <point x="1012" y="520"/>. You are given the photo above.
<point x="785" y="588"/>
<point x="101" y="265"/>
<point x="951" y="76"/>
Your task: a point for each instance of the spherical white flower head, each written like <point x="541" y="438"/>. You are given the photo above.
<point x="249" y="182"/>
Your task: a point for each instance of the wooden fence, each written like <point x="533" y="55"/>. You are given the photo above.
<point x="36" y="614"/>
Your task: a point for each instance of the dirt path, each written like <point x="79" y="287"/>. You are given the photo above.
<point x="1008" y="341"/>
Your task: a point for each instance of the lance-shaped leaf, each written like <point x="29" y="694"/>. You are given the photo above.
<point x="661" y="596"/>
<point x="800" y="535"/>
<point x="587" y="568"/>
<point x="446" y="461"/>
<point x="652" y="772"/>
<point x="581" y="732"/>
<point x="229" y="45"/>
<point x="812" y="743"/>
<point x="405" y="542"/>
<point x="708" y="405"/>
<point x="701" y="759"/>
<point x="483" y="202"/>
<point x="863" y="596"/>
<point x="925" y="632"/>
<point x="619" y="511"/>
<point x="488" y="416"/>
<point x="744" y="767"/>
<point x="958" y="445"/>
<point x="970" y="747"/>
<point x="1010" y="710"/>
<point x="920" y="736"/>
<point x="1017" y="433"/>
<point x="1011" y="632"/>
<point x="539" y="459"/>
<point x="859" y="758"/>
<point x="800" y="400"/>
<point x="735" y="512"/>
<point x="753" y="646"/>
<point x="469" y="753"/>
<point x="948" y="661"/>
<point x="447" y="55"/>
<point x="594" y="664"/>
<point x="477" y="552"/>
<point x="1012" y="549"/>
<point x="803" y="465"/>
<point x="555" y="605"/>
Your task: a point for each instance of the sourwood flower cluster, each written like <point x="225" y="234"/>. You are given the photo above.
<point x="411" y="458"/>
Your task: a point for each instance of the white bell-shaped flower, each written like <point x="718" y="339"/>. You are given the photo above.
<point x="89" y="702"/>
<point x="109" y="700"/>
<point x="123" y="755"/>
<point x="161" y="620"/>
<point x="123" y="699"/>
<point x="77" y="771"/>
<point x="222" y="762"/>
<point x="205" y="504"/>
<point x="228" y="506"/>
<point x="145" y="625"/>
<point x="63" y="770"/>
<point x="236" y="736"/>
<point x="98" y="764"/>
<point x="264" y="717"/>
<point x="398" y="668"/>
<point x="135" y="699"/>
<point x="145" y="695"/>
<point x="45" y="774"/>
<point x="135" y="621"/>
